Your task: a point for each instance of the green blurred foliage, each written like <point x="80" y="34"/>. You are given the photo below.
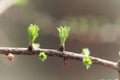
<point x="21" y="2"/>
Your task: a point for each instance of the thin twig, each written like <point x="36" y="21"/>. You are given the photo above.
<point x="52" y="52"/>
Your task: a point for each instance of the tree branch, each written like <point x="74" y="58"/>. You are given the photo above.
<point x="56" y="53"/>
<point x="52" y="52"/>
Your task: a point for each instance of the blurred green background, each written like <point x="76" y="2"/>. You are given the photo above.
<point x="95" y="24"/>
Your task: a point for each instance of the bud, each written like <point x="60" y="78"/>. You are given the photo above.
<point x="66" y="63"/>
<point x="10" y="57"/>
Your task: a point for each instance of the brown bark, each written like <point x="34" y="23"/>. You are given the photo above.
<point x="56" y="53"/>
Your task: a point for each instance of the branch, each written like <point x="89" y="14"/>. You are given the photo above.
<point x="52" y="52"/>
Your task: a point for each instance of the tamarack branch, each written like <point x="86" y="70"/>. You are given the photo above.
<point x="56" y="53"/>
<point x="33" y="49"/>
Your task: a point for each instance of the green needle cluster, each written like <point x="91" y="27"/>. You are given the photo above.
<point x="33" y="30"/>
<point x="86" y="60"/>
<point x="63" y="33"/>
<point x="33" y="34"/>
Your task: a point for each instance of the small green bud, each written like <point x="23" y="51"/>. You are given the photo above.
<point x="36" y="45"/>
<point x="87" y="62"/>
<point x="85" y="52"/>
<point x="42" y="56"/>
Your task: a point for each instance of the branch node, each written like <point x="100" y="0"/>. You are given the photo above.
<point x="30" y="48"/>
